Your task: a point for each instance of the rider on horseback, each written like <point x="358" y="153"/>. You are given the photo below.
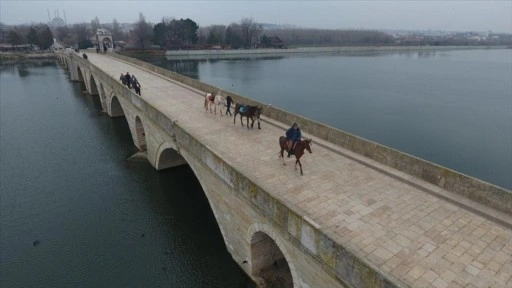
<point x="293" y="134"/>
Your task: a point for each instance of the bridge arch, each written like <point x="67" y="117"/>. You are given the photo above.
<point x="202" y="178"/>
<point x="168" y="157"/>
<point x="116" y="110"/>
<point x="81" y="78"/>
<point x="69" y="65"/>
<point x="269" y="258"/>
<point x="140" y="134"/>
<point x="93" y="89"/>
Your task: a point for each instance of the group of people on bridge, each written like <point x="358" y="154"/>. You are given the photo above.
<point x="105" y="48"/>
<point x="130" y="81"/>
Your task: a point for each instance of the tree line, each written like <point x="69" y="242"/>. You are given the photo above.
<point x="323" y="37"/>
<point x="40" y="35"/>
<point x="187" y="34"/>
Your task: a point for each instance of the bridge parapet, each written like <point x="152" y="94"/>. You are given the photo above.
<point x="448" y="180"/>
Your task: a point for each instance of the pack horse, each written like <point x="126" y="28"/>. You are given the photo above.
<point x="250" y="112"/>
<point x="215" y="100"/>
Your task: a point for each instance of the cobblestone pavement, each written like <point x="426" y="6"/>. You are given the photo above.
<point x="388" y="218"/>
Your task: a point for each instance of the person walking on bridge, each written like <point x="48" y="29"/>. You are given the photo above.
<point x="128" y="79"/>
<point x="293" y="134"/>
<point x="229" y="100"/>
<point x="135" y="84"/>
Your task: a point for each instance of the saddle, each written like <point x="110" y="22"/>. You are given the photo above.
<point x="289" y="147"/>
<point x="242" y="109"/>
<point x="210" y="98"/>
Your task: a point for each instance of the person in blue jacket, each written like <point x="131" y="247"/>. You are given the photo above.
<point x="293" y="134"/>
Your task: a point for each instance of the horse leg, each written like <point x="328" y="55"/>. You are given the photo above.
<point x="281" y="155"/>
<point x="252" y="122"/>
<point x="241" y="120"/>
<point x="300" y="166"/>
<point x="259" y="127"/>
<point x="215" y="108"/>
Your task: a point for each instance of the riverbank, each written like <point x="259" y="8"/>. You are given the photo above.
<point x="25" y="56"/>
<point x="195" y="54"/>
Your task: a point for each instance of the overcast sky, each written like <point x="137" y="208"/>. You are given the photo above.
<point x="380" y="14"/>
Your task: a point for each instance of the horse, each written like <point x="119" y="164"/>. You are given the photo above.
<point x="250" y="112"/>
<point x="298" y="150"/>
<point x="216" y="100"/>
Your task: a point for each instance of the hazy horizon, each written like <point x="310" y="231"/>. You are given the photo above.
<point x="495" y="16"/>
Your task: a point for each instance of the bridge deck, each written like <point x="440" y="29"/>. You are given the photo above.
<point x="393" y="221"/>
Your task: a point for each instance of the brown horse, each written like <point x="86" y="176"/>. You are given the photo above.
<point x="250" y="112"/>
<point x="298" y="150"/>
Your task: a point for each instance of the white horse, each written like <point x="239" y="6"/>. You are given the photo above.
<point x="214" y="100"/>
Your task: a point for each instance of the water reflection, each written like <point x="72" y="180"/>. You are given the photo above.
<point x="277" y="56"/>
<point x="22" y="67"/>
<point x="243" y="57"/>
<point x="23" y="71"/>
<point x="189" y="65"/>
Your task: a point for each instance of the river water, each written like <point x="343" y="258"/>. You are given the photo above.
<point x="101" y="221"/>
<point x="453" y="108"/>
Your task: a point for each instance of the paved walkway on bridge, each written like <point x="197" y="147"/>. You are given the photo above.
<point x="403" y="230"/>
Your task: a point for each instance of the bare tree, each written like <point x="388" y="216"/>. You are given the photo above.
<point x="15" y="38"/>
<point x="81" y="35"/>
<point x="214" y="34"/>
<point x="249" y="31"/>
<point x="95" y="24"/>
<point x="142" y="32"/>
<point x="234" y="35"/>
<point x="115" y="30"/>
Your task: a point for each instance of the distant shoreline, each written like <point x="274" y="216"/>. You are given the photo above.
<point x="212" y="53"/>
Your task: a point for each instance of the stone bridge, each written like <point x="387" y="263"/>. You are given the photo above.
<point x="363" y="215"/>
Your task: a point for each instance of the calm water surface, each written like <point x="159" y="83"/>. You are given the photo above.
<point x="101" y="221"/>
<point x="453" y="108"/>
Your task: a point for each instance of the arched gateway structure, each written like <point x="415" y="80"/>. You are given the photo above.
<point x="363" y="215"/>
